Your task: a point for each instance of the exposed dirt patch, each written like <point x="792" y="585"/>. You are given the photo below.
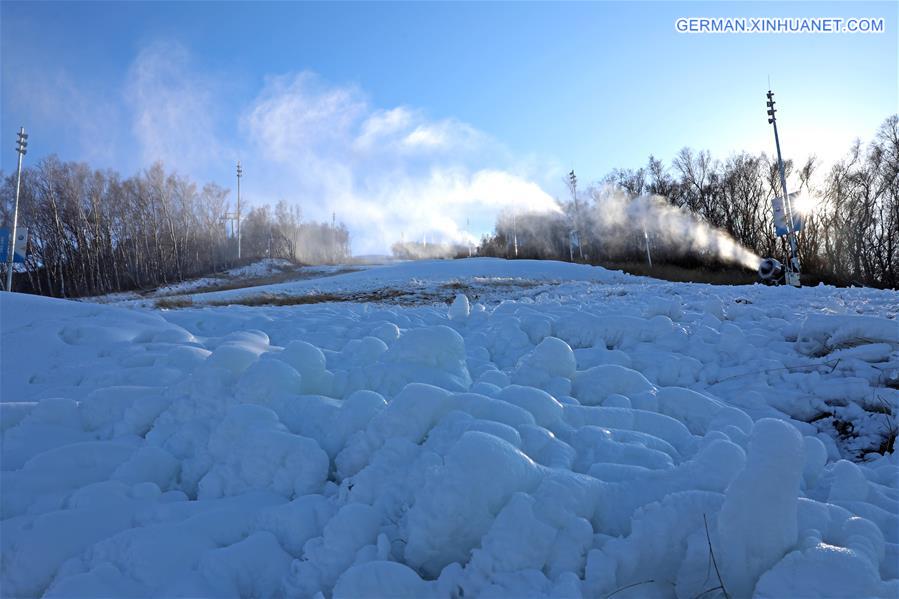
<point x="478" y="286"/>
<point x="444" y="293"/>
<point x="272" y="299"/>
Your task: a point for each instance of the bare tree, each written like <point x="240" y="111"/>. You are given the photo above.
<point x="92" y="232"/>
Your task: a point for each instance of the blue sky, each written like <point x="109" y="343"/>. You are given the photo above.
<point x="413" y="118"/>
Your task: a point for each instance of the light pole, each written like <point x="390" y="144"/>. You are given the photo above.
<point x="21" y="145"/>
<point x="515" y="233"/>
<point x="572" y="179"/>
<point x="239" y="175"/>
<point x="793" y="268"/>
<point x="646" y="240"/>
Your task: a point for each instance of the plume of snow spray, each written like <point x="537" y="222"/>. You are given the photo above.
<point x="413" y="250"/>
<point x="532" y="224"/>
<point x="614" y="211"/>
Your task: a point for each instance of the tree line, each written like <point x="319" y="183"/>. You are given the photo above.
<point x="850" y="228"/>
<point x="93" y="232"/>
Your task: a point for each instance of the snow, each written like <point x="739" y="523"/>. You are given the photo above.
<point x="489" y="275"/>
<point x="249" y="275"/>
<point x="757" y="523"/>
<point x="460" y="309"/>
<point x="498" y="429"/>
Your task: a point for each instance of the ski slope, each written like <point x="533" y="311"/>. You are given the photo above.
<point x="555" y="430"/>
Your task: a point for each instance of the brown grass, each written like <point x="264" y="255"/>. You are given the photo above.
<point x="281" y="277"/>
<point x="173" y="303"/>
<point x="285" y="275"/>
<point x="679" y="274"/>
<point x="271" y="299"/>
<point x="722" y="275"/>
<point x="445" y="293"/>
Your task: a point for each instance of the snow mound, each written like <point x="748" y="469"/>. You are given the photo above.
<point x="568" y="432"/>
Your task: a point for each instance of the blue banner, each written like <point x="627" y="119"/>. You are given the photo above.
<point x="21" y="245"/>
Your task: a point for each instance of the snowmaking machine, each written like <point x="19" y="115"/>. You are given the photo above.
<point x="787" y="222"/>
<point x="773" y="272"/>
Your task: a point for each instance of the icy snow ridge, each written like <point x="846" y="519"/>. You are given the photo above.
<point x="603" y="434"/>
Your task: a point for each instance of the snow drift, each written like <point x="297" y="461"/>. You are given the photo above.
<point x="598" y="434"/>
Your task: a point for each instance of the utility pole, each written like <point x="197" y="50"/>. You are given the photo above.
<point x="332" y="236"/>
<point x="646" y="240"/>
<point x="572" y="179"/>
<point x="21" y="145"/>
<point x="792" y="274"/>
<point x="515" y="233"/>
<point x="239" y="175"/>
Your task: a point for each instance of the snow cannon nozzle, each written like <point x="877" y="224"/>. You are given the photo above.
<point x="771" y="272"/>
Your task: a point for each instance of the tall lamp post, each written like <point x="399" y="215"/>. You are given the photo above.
<point x="21" y="145"/>
<point x="793" y="268"/>
<point x="239" y="175"/>
<point x="572" y="180"/>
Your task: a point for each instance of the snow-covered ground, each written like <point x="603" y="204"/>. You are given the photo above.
<point x="558" y="430"/>
<point x="261" y="268"/>
<point x="250" y="275"/>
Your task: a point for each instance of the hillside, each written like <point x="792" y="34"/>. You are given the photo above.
<point x="474" y="427"/>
